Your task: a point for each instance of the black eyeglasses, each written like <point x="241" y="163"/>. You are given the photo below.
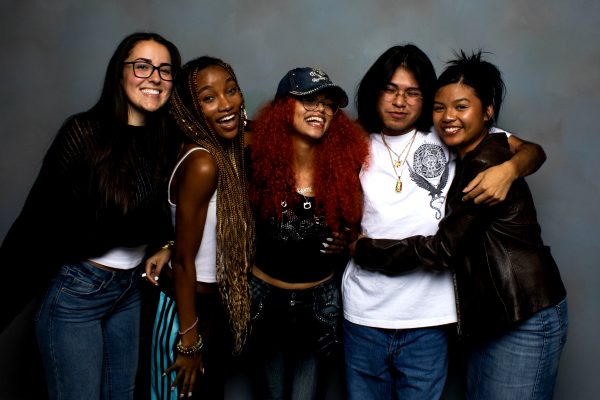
<point x="143" y="69"/>
<point x="311" y="104"/>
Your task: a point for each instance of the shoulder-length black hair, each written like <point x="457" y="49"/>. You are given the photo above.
<point x="484" y="77"/>
<point x="378" y="76"/>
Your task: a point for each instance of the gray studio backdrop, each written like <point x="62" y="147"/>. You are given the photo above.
<point x="54" y="54"/>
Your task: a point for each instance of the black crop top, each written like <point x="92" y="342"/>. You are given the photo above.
<point x="290" y="249"/>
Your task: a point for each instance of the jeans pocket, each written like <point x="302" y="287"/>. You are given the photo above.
<point x="81" y="281"/>
<point x="327" y="316"/>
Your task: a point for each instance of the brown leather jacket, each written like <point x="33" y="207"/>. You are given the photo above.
<point x="503" y="272"/>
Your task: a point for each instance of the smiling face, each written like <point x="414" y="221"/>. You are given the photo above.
<point x="398" y="106"/>
<point x="220" y="99"/>
<point x="145" y="95"/>
<point x="312" y="124"/>
<point x="459" y="117"/>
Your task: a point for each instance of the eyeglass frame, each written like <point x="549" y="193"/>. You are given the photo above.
<point x="313" y="104"/>
<point x="154" y="68"/>
<point x="391" y="92"/>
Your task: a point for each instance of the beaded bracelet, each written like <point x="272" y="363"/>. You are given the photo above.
<point x="183" y="332"/>
<point x="190" y="351"/>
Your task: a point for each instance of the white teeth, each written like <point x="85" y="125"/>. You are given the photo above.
<point x="227" y="118"/>
<point x="150" y="91"/>
<point x="316" y="119"/>
<point x="452" y="129"/>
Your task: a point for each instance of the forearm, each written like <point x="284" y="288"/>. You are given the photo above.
<point x="391" y="256"/>
<point x="528" y="157"/>
<point x="184" y="277"/>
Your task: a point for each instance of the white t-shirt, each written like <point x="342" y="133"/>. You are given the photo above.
<point x="422" y="297"/>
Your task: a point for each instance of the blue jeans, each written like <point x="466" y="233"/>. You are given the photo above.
<point x="523" y="363"/>
<point x="294" y="333"/>
<point x="88" y="332"/>
<point x="395" y="363"/>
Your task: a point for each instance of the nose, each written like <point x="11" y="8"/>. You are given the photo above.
<point x="224" y="103"/>
<point x="154" y="76"/>
<point x="448" y="114"/>
<point x="399" y="99"/>
<point x="320" y="107"/>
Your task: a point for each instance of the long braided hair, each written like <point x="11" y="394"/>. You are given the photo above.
<point x="235" y="223"/>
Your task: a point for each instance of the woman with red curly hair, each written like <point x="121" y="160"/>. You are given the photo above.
<point x="305" y="159"/>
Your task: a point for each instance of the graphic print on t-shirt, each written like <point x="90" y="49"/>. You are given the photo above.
<point x="430" y="162"/>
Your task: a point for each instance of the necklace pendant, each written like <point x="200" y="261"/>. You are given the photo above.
<point x="398" y="186"/>
<point x="398" y="163"/>
<point x="307" y="205"/>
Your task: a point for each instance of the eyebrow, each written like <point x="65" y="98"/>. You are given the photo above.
<point x="390" y="83"/>
<point x="206" y="87"/>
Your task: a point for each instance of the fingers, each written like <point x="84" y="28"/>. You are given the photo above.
<point x="474" y="183"/>
<point x="151" y="274"/>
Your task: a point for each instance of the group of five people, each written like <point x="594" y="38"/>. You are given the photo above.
<point x="258" y="231"/>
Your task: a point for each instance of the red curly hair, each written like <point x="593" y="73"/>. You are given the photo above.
<point x="339" y="157"/>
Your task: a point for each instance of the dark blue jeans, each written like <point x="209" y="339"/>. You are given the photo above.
<point x="294" y="333"/>
<point x="395" y="363"/>
<point x="88" y="332"/>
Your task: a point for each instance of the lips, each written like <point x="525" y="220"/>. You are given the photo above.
<point x="151" y="92"/>
<point x="451" y="130"/>
<point x="316" y="121"/>
<point x="228" y="121"/>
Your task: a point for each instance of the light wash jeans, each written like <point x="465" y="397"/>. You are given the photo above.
<point x="88" y="333"/>
<point x="523" y="363"/>
<point x="395" y="363"/>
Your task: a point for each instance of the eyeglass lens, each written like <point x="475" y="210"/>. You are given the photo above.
<point x="143" y="69"/>
<point x="312" y="104"/>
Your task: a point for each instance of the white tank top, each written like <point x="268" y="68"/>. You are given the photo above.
<point x="206" y="258"/>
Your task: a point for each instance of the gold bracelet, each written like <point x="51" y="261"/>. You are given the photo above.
<point x="190" y="351"/>
<point x="169" y="245"/>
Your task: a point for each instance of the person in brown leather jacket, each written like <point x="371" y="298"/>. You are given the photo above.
<point x="510" y="298"/>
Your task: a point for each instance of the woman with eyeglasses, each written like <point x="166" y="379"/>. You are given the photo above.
<point x="95" y="210"/>
<point x="305" y="157"/>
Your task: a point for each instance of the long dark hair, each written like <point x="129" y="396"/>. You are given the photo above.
<point x="115" y="160"/>
<point x="378" y="76"/>
<point x="484" y="77"/>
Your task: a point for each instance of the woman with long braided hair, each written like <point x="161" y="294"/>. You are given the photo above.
<point x="214" y="237"/>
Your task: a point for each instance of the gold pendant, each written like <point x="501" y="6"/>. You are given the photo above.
<point x="398" y="163"/>
<point x="398" y="186"/>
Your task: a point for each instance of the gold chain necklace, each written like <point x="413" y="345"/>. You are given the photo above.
<point x="399" y="163"/>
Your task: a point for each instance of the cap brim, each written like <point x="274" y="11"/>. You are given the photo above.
<point x="338" y="94"/>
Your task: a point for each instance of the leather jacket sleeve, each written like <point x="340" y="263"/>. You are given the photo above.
<point x="462" y="222"/>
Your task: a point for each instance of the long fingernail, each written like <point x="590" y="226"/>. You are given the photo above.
<point x="329" y="240"/>
<point x="156" y="278"/>
<point x="190" y="394"/>
<point x="144" y="275"/>
<point x="325" y="245"/>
